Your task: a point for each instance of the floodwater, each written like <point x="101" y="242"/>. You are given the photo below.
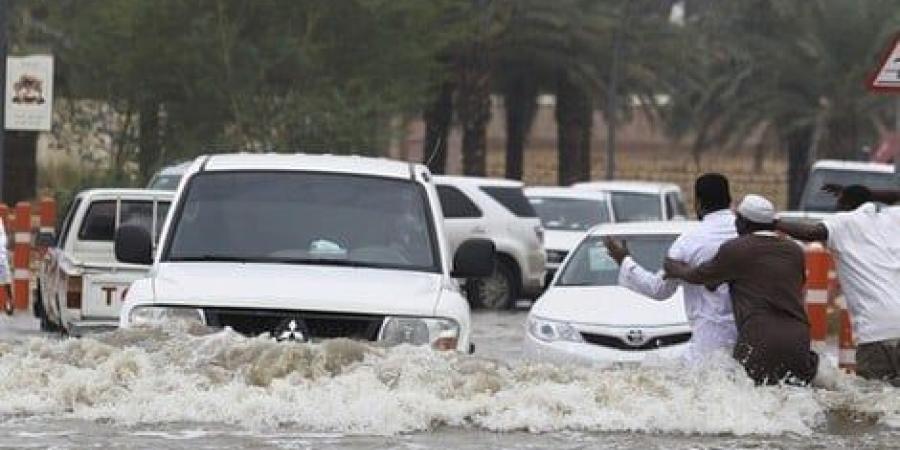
<point x="185" y="388"/>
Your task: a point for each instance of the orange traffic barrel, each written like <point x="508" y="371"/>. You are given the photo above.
<point x="818" y="263"/>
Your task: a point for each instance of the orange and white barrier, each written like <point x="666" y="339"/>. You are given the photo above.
<point x="818" y="263"/>
<point x="21" y="267"/>
<point x="822" y="289"/>
<point x="21" y="226"/>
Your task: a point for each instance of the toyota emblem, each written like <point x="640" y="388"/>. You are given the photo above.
<point x="635" y="338"/>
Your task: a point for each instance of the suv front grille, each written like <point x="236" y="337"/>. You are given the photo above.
<point x="318" y="325"/>
<point x="620" y="344"/>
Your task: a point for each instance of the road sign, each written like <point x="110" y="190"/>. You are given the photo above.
<point x="887" y="77"/>
<point x="29" y="93"/>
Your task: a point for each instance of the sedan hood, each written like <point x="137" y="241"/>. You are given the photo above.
<point x="609" y="305"/>
<point x="562" y="240"/>
<point x="301" y="287"/>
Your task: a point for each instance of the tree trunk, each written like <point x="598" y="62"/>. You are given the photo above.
<point x="520" y="110"/>
<point x="148" y="140"/>
<point x="20" y="167"/>
<point x="797" y="145"/>
<point x="438" y="117"/>
<point x="574" y="115"/>
<point x="474" y="107"/>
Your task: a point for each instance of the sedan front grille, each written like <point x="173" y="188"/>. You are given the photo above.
<point x="316" y="325"/>
<point x="651" y="344"/>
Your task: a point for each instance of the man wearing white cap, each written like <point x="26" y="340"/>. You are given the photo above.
<point x="765" y="274"/>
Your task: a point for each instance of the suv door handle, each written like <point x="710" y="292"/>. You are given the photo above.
<point x="479" y="229"/>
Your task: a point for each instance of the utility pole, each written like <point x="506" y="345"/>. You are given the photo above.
<point x="3" y="49"/>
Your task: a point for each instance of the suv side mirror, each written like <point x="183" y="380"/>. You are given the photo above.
<point x="475" y="258"/>
<point x="44" y="239"/>
<point x="134" y="245"/>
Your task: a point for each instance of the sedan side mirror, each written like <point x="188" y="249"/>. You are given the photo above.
<point x="44" y="239"/>
<point x="475" y="258"/>
<point x="134" y="245"/>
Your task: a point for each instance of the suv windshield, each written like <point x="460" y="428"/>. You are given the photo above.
<point x="815" y="199"/>
<point x="575" y="214"/>
<point x="164" y="182"/>
<point x="305" y="218"/>
<point x="591" y="265"/>
<point x="635" y="206"/>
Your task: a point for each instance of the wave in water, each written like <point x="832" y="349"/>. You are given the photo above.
<point x="150" y="376"/>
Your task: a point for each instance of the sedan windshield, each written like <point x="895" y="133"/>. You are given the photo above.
<point x="591" y="265"/>
<point x="305" y="218"/>
<point x="636" y="207"/>
<point x="572" y="214"/>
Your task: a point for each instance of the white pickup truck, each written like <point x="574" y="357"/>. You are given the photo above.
<point x="80" y="284"/>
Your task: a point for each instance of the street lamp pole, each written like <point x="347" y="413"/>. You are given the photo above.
<point x="3" y="49"/>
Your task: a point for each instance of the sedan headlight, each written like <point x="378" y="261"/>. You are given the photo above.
<point x="160" y="315"/>
<point x="551" y="330"/>
<point x="440" y="334"/>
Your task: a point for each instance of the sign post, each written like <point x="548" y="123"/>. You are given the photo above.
<point x="886" y="79"/>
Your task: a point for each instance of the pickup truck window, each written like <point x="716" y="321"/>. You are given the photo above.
<point x="304" y="218"/>
<point x="67" y="223"/>
<point x="99" y="222"/>
<point x="815" y="199"/>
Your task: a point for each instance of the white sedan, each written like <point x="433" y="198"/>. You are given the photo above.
<point x="586" y="317"/>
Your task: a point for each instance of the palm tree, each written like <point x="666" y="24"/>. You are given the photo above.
<point x="793" y="71"/>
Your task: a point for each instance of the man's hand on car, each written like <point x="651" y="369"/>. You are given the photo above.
<point x="618" y="251"/>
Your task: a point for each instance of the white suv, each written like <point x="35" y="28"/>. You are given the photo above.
<point x="566" y="214"/>
<point x="306" y="247"/>
<point x="641" y="201"/>
<point x="496" y="209"/>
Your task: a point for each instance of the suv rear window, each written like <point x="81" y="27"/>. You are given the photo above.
<point x="455" y="204"/>
<point x="512" y="198"/>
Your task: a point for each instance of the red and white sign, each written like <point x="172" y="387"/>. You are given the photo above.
<point x="887" y="78"/>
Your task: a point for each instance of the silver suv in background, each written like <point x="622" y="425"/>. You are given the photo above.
<point x="495" y="209"/>
<point x="641" y="201"/>
<point x="566" y="215"/>
<point x="168" y="177"/>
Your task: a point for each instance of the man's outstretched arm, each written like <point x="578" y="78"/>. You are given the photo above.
<point x="636" y="278"/>
<point x="802" y="231"/>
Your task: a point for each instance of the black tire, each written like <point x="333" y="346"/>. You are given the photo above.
<point x="497" y="292"/>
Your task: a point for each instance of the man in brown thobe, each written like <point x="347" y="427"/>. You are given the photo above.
<point x="766" y="274"/>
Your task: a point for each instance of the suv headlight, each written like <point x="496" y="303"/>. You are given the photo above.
<point x="440" y="334"/>
<point x="556" y="256"/>
<point x="551" y="330"/>
<point x="159" y="315"/>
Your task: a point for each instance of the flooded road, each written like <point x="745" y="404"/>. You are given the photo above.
<point x="189" y="388"/>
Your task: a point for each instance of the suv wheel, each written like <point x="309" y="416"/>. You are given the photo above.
<point x="498" y="291"/>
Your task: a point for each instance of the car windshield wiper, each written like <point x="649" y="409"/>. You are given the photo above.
<point x="211" y="258"/>
<point x="326" y="262"/>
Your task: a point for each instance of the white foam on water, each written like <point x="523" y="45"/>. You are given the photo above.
<point x="137" y="377"/>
